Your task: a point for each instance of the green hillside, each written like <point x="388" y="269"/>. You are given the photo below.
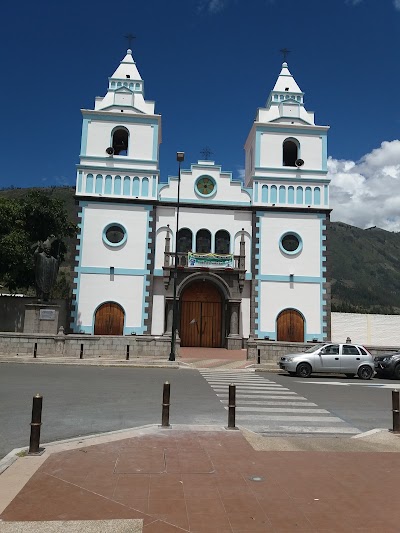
<point x="365" y="264"/>
<point x="365" y="269"/>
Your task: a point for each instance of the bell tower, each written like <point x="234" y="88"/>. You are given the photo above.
<point x="286" y="167"/>
<point x="284" y="141"/>
<point x="116" y="191"/>
<point x="120" y="139"/>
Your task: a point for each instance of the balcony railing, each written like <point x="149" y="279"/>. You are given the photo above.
<point x="183" y="261"/>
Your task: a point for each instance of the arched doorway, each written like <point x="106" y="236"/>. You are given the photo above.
<point x="109" y="319"/>
<point x="290" y="326"/>
<point x="201" y="315"/>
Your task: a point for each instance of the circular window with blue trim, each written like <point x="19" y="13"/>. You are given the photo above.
<point x="114" y="235"/>
<point x="290" y="243"/>
<point x="206" y="186"/>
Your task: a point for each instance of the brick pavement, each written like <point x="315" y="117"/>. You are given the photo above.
<point x="212" y="480"/>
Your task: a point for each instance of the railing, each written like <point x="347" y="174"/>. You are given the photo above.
<point x="169" y="260"/>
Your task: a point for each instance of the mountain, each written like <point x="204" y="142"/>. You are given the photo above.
<point x="365" y="269"/>
<point x="365" y="263"/>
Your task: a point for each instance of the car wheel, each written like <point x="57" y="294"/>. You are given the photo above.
<point x="349" y="375"/>
<point x="304" y="370"/>
<point x="365" y="372"/>
<point x="396" y="372"/>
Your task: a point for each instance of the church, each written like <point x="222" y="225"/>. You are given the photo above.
<point x="240" y="259"/>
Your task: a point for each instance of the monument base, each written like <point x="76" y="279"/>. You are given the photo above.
<point x="41" y="318"/>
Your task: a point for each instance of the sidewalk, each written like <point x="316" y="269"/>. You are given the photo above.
<point x="205" y="479"/>
<point x="219" y="361"/>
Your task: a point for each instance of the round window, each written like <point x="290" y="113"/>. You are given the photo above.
<point x="114" y="235"/>
<point x="206" y="186"/>
<point x="290" y="243"/>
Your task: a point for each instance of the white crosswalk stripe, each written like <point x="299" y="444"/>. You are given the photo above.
<point x="266" y="407"/>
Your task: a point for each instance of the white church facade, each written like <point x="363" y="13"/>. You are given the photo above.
<point x="252" y="255"/>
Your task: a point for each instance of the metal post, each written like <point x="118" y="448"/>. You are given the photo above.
<point x="36" y="422"/>
<point x="81" y="352"/>
<point x="396" y="411"/>
<point x="165" y="405"/>
<point x="127" y="352"/>
<point x="258" y="356"/>
<point x="180" y="157"/>
<point x="35" y="350"/>
<point x="232" y="407"/>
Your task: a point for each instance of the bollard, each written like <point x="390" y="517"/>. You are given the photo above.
<point x="232" y="407"/>
<point x="81" y="352"/>
<point x="258" y="356"/>
<point x="35" y="350"/>
<point x="34" y="441"/>
<point x="165" y="405"/>
<point x="396" y="411"/>
<point x="127" y="352"/>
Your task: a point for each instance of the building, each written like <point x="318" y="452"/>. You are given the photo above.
<point x="252" y="256"/>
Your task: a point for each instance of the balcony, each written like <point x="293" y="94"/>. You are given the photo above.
<point x="195" y="262"/>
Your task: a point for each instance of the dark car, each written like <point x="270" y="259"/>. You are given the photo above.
<point x="388" y="365"/>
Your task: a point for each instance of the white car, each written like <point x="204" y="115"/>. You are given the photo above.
<point x="348" y="359"/>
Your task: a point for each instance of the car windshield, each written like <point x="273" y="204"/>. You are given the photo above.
<point x="313" y="348"/>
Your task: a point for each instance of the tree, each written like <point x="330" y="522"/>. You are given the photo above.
<point x="23" y="222"/>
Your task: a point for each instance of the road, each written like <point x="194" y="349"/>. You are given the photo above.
<point x="88" y="400"/>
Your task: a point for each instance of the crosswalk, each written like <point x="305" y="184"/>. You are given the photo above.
<point x="266" y="407"/>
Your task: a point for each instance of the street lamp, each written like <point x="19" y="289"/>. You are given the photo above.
<point x="180" y="156"/>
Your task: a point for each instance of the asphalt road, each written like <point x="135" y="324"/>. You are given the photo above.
<point x="365" y="405"/>
<point x="87" y="400"/>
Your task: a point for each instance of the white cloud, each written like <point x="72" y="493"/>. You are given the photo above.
<point x="396" y="4"/>
<point x="212" y="6"/>
<point x="367" y="192"/>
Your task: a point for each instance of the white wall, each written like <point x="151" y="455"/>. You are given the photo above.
<point x="271" y="151"/>
<point x="304" y="297"/>
<point x="376" y="330"/>
<point x="140" y="139"/>
<point x="96" y="289"/>
<point x="95" y="253"/>
<point x="274" y="261"/>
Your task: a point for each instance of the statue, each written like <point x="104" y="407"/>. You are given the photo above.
<point x="46" y="269"/>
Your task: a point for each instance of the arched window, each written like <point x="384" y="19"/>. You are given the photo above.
<point x="99" y="184"/>
<point x="264" y="193"/>
<point x="290" y="152"/>
<point x="317" y="196"/>
<point x="203" y="241"/>
<point x="274" y="194"/>
<point x="222" y="242"/>
<point x="184" y="240"/>
<point x="308" y="196"/>
<point x="135" y="186"/>
<point x="127" y="186"/>
<point x="145" y="187"/>
<point x="120" y="140"/>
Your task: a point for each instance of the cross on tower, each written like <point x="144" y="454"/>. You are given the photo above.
<point x="130" y="38"/>
<point x="206" y="152"/>
<point x="285" y="53"/>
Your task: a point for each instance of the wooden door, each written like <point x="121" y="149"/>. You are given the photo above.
<point x="201" y="316"/>
<point x="109" y="320"/>
<point x="290" y="326"/>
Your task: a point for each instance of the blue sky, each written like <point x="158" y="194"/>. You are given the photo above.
<point x="208" y="64"/>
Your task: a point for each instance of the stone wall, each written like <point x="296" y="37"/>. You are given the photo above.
<point x="113" y="347"/>
<point x="12" y="312"/>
